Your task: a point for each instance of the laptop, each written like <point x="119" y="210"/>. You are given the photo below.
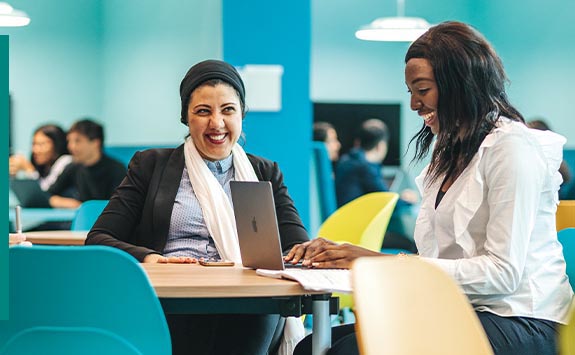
<point x="29" y="193"/>
<point x="257" y="225"/>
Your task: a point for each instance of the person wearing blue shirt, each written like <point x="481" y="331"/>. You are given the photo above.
<point x="359" y="172"/>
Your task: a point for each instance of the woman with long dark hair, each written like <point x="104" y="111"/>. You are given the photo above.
<point x="487" y="215"/>
<point x="48" y="159"/>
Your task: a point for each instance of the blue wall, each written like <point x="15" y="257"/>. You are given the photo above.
<point x="276" y="33"/>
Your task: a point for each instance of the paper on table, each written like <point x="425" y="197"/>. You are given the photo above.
<point x="333" y="280"/>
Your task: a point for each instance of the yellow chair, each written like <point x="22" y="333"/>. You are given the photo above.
<point x="363" y="222"/>
<point x="565" y="216"/>
<point x="407" y="306"/>
<point x="566" y="341"/>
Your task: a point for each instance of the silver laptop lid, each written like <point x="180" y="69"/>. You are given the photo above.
<point x="257" y="225"/>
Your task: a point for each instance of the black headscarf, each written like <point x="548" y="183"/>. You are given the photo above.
<point x="204" y="71"/>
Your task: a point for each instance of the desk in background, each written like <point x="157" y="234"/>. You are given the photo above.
<point x="194" y="289"/>
<point x="57" y="237"/>
<point x="33" y="217"/>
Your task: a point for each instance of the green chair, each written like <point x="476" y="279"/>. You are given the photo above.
<point x="87" y="214"/>
<point x="81" y="300"/>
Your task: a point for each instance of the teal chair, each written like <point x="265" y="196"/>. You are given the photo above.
<point x="81" y="300"/>
<point x="87" y="214"/>
<point x="567" y="239"/>
<point x="325" y="181"/>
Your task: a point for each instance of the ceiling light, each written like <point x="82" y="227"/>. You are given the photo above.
<point x="396" y="29"/>
<point x="12" y="18"/>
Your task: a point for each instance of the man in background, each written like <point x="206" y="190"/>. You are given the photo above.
<point x="360" y="172"/>
<point x="92" y="175"/>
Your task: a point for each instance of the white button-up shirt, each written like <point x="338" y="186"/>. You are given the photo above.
<point x="494" y="230"/>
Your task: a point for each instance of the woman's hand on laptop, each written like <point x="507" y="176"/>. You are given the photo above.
<point x="324" y="254"/>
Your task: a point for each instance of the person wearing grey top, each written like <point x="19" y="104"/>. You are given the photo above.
<point x="160" y="212"/>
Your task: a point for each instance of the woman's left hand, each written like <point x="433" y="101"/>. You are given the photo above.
<point x="324" y="254"/>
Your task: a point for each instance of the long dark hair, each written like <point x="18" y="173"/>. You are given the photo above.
<point x="58" y="138"/>
<point x="471" y="86"/>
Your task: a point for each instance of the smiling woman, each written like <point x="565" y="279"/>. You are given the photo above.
<point x="174" y="206"/>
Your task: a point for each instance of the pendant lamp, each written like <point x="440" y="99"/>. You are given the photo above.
<point x="12" y="18"/>
<point x="394" y="29"/>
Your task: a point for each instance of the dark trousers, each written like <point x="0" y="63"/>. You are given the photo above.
<point x="221" y="334"/>
<point x="507" y="335"/>
<point x="519" y="335"/>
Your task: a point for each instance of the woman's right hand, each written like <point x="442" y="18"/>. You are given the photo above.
<point x="324" y="254"/>
<point x="157" y="258"/>
<point x="18" y="163"/>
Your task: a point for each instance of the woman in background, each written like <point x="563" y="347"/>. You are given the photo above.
<point x="49" y="157"/>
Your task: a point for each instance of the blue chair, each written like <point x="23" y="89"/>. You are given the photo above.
<point x="87" y="214"/>
<point x="567" y="239"/>
<point x="325" y="181"/>
<point x="567" y="190"/>
<point x="81" y="300"/>
<point x="125" y="153"/>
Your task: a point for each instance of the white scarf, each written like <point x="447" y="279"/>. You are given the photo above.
<point x="216" y="207"/>
<point x="219" y="218"/>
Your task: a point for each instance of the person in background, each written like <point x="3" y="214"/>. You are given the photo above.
<point x="564" y="170"/>
<point x="359" y="172"/>
<point x="93" y="175"/>
<point x="487" y="216"/>
<point x="175" y="206"/>
<point x="325" y="132"/>
<point x="48" y="160"/>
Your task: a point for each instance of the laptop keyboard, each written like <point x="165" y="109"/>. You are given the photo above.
<point x="289" y="265"/>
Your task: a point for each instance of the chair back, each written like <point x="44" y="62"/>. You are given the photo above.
<point x="566" y="341"/>
<point x="87" y="214"/>
<point x="62" y="299"/>
<point x="567" y="189"/>
<point x="324" y="180"/>
<point x="565" y="216"/>
<point x="567" y="239"/>
<point x="397" y="298"/>
<point x="362" y="221"/>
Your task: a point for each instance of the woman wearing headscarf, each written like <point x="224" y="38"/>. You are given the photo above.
<point x="174" y="205"/>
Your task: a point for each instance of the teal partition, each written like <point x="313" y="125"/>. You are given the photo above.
<point x="4" y="128"/>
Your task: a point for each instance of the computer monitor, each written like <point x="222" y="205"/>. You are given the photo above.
<point x="348" y="117"/>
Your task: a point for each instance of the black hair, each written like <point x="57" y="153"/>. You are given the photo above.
<point x="89" y="128"/>
<point x="58" y="137"/>
<point x="371" y="133"/>
<point x="320" y="130"/>
<point x="471" y="95"/>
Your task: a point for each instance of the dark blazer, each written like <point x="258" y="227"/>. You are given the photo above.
<point x="137" y="218"/>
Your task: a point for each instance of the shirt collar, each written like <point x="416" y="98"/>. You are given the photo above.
<point x="220" y="166"/>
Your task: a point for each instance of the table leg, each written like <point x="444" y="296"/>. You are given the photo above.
<point x="321" y="338"/>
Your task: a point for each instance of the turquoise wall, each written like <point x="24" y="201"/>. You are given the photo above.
<point x="55" y="65"/>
